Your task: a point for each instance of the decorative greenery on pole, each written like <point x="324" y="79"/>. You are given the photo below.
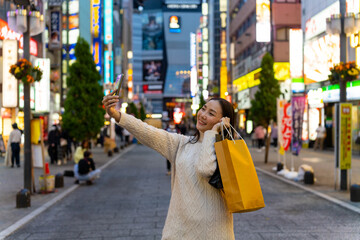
<point x="84" y="115"/>
<point x="263" y="107"/>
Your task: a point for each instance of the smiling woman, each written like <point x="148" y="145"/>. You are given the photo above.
<point x="197" y="210"/>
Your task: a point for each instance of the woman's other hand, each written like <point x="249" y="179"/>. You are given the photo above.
<point x="225" y="121"/>
<point x="110" y="102"/>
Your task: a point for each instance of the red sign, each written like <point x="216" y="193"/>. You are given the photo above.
<point x="7" y="33"/>
<point x="286" y="126"/>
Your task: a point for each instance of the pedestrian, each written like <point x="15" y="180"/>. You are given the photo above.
<point x="197" y="210"/>
<point x="320" y="137"/>
<point x="127" y="137"/>
<point x="79" y="152"/>
<point x="54" y="143"/>
<point x="66" y="142"/>
<point x="171" y="129"/>
<point x="86" y="170"/>
<point x="260" y="136"/>
<point x="274" y="134"/>
<point x="119" y="136"/>
<point x="14" y="140"/>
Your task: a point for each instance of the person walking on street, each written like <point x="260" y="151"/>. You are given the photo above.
<point x="260" y="136"/>
<point x="274" y="134"/>
<point x="54" y="144"/>
<point x="14" y="140"/>
<point x="320" y="137"/>
<point x="197" y="210"/>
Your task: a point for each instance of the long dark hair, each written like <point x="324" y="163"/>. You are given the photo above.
<point x="227" y="111"/>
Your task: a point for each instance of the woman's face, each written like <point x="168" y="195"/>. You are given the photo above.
<point x="208" y="116"/>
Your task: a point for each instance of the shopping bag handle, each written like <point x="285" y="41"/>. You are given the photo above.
<point x="222" y="132"/>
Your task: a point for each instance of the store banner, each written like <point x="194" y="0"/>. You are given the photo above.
<point x="279" y="115"/>
<point x="298" y="107"/>
<point x="9" y="82"/>
<point x="55" y="30"/>
<point x="286" y="126"/>
<point x="345" y="135"/>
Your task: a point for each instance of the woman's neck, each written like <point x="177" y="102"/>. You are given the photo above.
<point x="201" y="136"/>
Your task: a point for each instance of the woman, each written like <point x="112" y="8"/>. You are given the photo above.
<point x="196" y="210"/>
<point x="79" y="152"/>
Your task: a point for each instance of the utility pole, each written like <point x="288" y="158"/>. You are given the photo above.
<point x="342" y="84"/>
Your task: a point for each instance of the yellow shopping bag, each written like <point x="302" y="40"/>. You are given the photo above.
<point x="242" y="192"/>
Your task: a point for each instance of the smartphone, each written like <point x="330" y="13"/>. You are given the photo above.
<point x="118" y="84"/>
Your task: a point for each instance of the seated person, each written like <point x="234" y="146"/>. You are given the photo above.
<point x="85" y="170"/>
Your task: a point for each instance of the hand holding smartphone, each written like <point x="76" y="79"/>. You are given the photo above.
<point x="118" y="84"/>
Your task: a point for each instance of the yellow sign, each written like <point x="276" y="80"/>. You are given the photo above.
<point x="249" y="80"/>
<point x="345" y="135"/>
<point x="223" y="81"/>
<point x="252" y="79"/>
<point x="282" y="70"/>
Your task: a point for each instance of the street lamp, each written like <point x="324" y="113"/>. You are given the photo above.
<point x="28" y="21"/>
<point x="342" y="24"/>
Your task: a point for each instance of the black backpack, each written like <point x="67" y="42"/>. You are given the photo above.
<point x="83" y="167"/>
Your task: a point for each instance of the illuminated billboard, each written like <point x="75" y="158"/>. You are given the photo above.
<point x="175" y="24"/>
<point x="55" y="30"/>
<point x="108" y="21"/>
<point x="96" y="32"/>
<point x="42" y="88"/>
<point x="319" y="55"/>
<point x="9" y="82"/>
<point x="263" y="26"/>
<point x="152" y="31"/>
<point x="152" y="70"/>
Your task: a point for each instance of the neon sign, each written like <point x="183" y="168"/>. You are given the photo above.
<point x="95" y="30"/>
<point x="7" y="34"/>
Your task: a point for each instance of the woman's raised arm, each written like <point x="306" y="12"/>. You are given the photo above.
<point x="160" y="140"/>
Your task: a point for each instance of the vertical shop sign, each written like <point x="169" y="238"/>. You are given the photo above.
<point x="55" y="30"/>
<point x="10" y="84"/>
<point x="263" y="26"/>
<point x="298" y="107"/>
<point x="96" y="32"/>
<point x="286" y="126"/>
<point x="345" y="135"/>
<point x="42" y="88"/>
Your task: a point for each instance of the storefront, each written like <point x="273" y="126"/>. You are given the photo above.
<point x="331" y="95"/>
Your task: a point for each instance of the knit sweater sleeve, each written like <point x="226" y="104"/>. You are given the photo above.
<point x="206" y="163"/>
<point x="160" y="140"/>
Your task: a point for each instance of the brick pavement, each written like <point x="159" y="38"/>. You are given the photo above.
<point x="11" y="181"/>
<point x="131" y="198"/>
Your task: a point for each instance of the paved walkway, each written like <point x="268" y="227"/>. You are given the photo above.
<point x="11" y="180"/>
<point x="131" y="199"/>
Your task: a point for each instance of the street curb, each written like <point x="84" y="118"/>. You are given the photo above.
<point x="18" y="224"/>
<point x="317" y="193"/>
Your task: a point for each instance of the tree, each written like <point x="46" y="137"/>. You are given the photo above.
<point x="84" y="114"/>
<point x="263" y="107"/>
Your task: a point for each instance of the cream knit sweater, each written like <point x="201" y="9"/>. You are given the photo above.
<point x="197" y="210"/>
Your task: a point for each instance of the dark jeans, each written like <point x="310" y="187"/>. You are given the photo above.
<point x="15" y="153"/>
<point x="53" y="153"/>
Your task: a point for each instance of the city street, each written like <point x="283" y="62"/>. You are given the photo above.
<point x="131" y="198"/>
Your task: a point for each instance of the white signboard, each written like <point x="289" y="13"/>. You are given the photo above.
<point x="244" y="99"/>
<point x="263" y="26"/>
<point x="42" y="88"/>
<point x="10" y="83"/>
<point x="296" y="53"/>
